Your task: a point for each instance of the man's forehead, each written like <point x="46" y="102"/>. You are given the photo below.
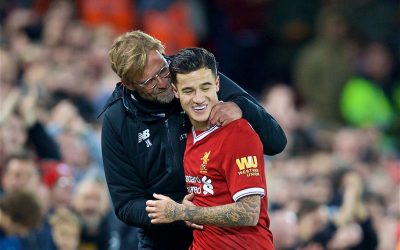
<point x="16" y="163"/>
<point x="199" y="76"/>
<point x="155" y="61"/>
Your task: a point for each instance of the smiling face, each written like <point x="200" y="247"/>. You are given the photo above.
<point x="157" y="87"/>
<point x="197" y="93"/>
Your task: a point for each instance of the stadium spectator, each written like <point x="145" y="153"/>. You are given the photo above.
<point x="100" y="228"/>
<point x="370" y="99"/>
<point x="59" y="179"/>
<point x="20" y="172"/>
<point x="325" y="64"/>
<point x="281" y="102"/>
<point x="20" y="214"/>
<point x="349" y="227"/>
<point x="66" y="228"/>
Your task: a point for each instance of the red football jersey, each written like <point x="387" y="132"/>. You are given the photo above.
<point x="222" y="165"/>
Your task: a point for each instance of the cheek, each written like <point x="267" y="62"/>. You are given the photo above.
<point x="213" y="97"/>
<point x="185" y="101"/>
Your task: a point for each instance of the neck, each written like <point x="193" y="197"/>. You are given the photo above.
<point x="199" y="126"/>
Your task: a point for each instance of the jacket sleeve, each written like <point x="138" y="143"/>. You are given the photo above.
<point x="126" y="189"/>
<point x="125" y="186"/>
<point x="270" y="132"/>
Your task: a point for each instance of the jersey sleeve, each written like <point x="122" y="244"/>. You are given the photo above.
<point x="243" y="164"/>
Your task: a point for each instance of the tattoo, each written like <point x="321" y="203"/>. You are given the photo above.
<point x="170" y="211"/>
<point x="245" y="212"/>
<point x="174" y="211"/>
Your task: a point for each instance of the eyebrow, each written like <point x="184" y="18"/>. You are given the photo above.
<point x="187" y="88"/>
<point x="201" y="85"/>
<point x="158" y="72"/>
<point x="205" y="84"/>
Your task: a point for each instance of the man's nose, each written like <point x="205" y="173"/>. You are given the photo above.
<point x="198" y="97"/>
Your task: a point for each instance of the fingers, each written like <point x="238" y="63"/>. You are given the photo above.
<point x="187" y="200"/>
<point x="156" y="221"/>
<point x="194" y="225"/>
<point x="224" y="113"/>
<point x="218" y="114"/>
<point x="150" y="209"/>
<point x="159" y="196"/>
<point x="154" y="218"/>
<point x="214" y="115"/>
<point x="151" y="203"/>
<point x="188" y="197"/>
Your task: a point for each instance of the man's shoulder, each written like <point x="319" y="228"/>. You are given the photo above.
<point x="114" y="98"/>
<point x="238" y="131"/>
<point x="240" y="126"/>
<point x="115" y="109"/>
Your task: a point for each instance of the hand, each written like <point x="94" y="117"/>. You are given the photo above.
<point x="353" y="181"/>
<point x="187" y="201"/>
<point x="163" y="210"/>
<point x="345" y="237"/>
<point x="194" y="225"/>
<point x="9" y="104"/>
<point x="28" y="107"/>
<point x="224" y="113"/>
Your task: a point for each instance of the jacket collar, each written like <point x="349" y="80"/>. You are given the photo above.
<point x="138" y="106"/>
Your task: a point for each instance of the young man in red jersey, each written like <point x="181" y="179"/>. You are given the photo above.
<point x="224" y="166"/>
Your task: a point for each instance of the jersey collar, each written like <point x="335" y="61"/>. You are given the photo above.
<point x="203" y="134"/>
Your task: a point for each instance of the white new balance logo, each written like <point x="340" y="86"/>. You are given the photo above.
<point x="144" y="135"/>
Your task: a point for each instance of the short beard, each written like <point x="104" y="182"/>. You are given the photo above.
<point x="166" y="97"/>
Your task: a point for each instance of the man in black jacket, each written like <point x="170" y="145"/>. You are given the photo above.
<point x="144" y="135"/>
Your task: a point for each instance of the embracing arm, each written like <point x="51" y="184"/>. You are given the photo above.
<point x="271" y="134"/>
<point x="244" y="212"/>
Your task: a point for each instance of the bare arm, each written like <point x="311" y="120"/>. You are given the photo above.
<point x="244" y="212"/>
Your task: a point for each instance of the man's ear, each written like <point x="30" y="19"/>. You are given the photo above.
<point x="127" y="84"/>
<point x="175" y="90"/>
<point x="217" y="83"/>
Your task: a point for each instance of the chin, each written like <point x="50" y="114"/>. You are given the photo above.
<point x="165" y="97"/>
<point x="200" y="119"/>
<point x="92" y="222"/>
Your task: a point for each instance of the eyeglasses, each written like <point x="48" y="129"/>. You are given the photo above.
<point x="152" y="82"/>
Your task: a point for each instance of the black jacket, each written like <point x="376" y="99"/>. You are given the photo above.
<point x="143" y="145"/>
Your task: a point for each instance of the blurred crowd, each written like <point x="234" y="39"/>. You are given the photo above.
<point x="327" y="70"/>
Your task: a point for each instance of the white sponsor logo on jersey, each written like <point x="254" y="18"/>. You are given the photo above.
<point x="207" y="186"/>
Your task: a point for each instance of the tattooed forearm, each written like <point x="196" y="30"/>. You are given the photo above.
<point x="245" y="212"/>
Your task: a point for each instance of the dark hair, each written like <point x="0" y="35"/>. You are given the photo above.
<point x="23" y="208"/>
<point x="192" y="59"/>
<point x="21" y="155"/>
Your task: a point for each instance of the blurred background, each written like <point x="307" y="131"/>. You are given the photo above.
<point x="327" y="70"/>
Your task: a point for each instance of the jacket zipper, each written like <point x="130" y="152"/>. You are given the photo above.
<point x="170" y="142"/>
